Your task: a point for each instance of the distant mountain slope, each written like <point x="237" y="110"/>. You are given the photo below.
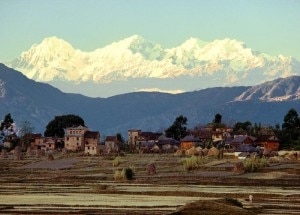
<point x="281" y="89"/>
<point x="38" y="103"/>
<point x="226" y="62"/>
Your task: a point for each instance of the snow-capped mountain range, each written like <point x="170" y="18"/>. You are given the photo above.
<point x="195" y="64"/>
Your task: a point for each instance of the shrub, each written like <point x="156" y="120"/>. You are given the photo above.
<point x="252" y="164"/>
<point x="117" y="161"/>
<point x="193" y="162"/>
<point x="126" y="173"/>
<point x="234" y="202"/>
<point x="119" y="176"/>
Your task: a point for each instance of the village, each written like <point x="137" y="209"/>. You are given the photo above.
<point x="81" y="139"/>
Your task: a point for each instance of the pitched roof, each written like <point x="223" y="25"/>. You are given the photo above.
<point x="91" y="134"/>
<point x="267" y="138"/>
<point x="242" y="138"/>
<point x="149" y="136"/>
<point x="190" y="138"/>
<point x="111" y="138"/>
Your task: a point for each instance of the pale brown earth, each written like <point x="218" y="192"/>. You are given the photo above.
<point x="85" y="185"/>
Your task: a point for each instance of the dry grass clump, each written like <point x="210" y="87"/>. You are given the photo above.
<point x="254" y="163"/>
<point x="125" y="174"/>
<point x="117" y="161"/>
<point x="193" y="162"/>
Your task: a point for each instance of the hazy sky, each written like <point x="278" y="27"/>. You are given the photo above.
<point x="271" y="26"/>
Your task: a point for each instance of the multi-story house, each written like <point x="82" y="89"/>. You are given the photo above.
<point x="133" y="134"/>
<point x="92" y="139"/>
<point x="81" y="139"/>
<point x="74" y="138"/>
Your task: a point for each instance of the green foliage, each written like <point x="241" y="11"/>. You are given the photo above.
<point x="6" y="125"/>
<point x="193" y="162"/>
<point x="254" y="163"/>
<point x="234" y="202"/>
<point x="7" y="122"/>
<point x="242" y="126"/>
<point x="126" y="173"/>
<point x="118" y="175"/>
<point x="289" y="135"/>
<point x="116" y="161"/>
<point x="55" y="128"/>
<point x="178" y="129"/>
<point x="120" y="138"/>
<point x="218" y="118"/>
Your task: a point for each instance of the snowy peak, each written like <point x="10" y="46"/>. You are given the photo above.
<point x="50" y="47"/>
<point x="225" y="62"/>
<point x="282" y="89"/>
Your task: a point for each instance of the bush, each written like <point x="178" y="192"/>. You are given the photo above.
<point x="193" y="162"/>
<point x="234" y="202"/>
<point x="252" y="164"/>
<point x="119" y="176"/>
<point x="117" y="161"/>
<point x="126" y="173"/>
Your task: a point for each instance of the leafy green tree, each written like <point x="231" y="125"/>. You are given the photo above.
<point x="6" y="126"/>
<point x="7" y="123"/>
<point x="55" y="128"/>
<point x="242" y="126"/>
<point x="290" y="134"/>
<point x="218" y="119"/>
<point x="178" y="129"/>
<point x="120" y="138"/>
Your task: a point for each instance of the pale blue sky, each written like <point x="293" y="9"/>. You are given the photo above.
<point x="271" y="26"/>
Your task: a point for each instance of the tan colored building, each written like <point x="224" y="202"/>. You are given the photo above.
<point x="133" y="134"/>
<point x="91" y="139"/>
<point x="111" y="143"/>
<point x="74" y="138"/>
<point x="47" y="143"/>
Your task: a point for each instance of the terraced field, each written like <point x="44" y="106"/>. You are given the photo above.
<point x="86" y="185"/>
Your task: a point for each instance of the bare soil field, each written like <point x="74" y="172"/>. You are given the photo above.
<point x="86" y="185"/>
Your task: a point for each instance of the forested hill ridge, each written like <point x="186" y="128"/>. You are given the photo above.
<point x="38" y="103"/>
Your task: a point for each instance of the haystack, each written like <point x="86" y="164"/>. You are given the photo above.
<point x="155" y="149"/>
<point x="213" y="152"/>
<point x="151" y="169"/>
<point x="205" y="151"/>
<point x="239" y="168"/>
<point x="4" y="154"/>
<point x="179" y="152"/>
<point x="191" y="151"/>
<point x="275" y="159"/>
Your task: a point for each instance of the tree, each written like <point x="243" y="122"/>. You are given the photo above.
<point x="218" y="119"/>
<point x="55" y="128"/>
<point x="6" y="127"/>
<point x="7" y="124"/>
<point x="26" y="128"/>
<point x="178" y="129"/>
<point x="290" y="134"/>
<point x="242" y="126"/>
<point x="120" y="138"/>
